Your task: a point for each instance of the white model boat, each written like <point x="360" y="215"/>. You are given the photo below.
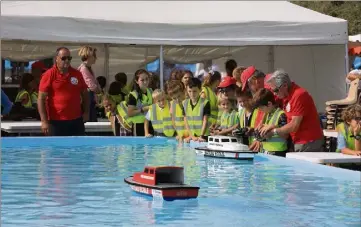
<point x="226" y="147"/>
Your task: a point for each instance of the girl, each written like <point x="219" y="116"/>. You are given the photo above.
<point x="26" y="96"/>
<point x="115" y="91"/>
<point x="245" y="110"/>
<point x="210" y="84"/>
<point x="187" y="75"/>
<point x="349" y="132"/>
<point x="229" y="119"/>
<point x="117" y="116"/>
<point x="176" y="92"/>
<point x="139" y="101"/>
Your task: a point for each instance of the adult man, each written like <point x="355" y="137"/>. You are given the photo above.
<point x="303" y="122"/>
<point x="62" y="97"/>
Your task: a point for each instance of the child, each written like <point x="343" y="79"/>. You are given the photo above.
<point x="176" y="90"/>
<point x="26" y="96"/>
<point x="229" y="119"/>
<point x="274" y="143"/>
<point x="117" y="116"/>
<point x="122" y="79"/>
<point x="197" y="111"/>
<point x="210" y="84"/>
<point x="140" y="100"/>
<point x="159" y="115"/>
<point x="349" y="132"/>
<point x="115" y="91"/>
<point x="245" y="110"/>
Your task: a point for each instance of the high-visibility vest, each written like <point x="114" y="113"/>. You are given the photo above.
<point x="146" y="100"/>
<point x="178" y="115"/>
<point x="275" y="143"/>
<point x="117" y="98"/>
<point x="256" y="115"/>
<point x="346" y="133"/>
<point x="122" y="110"/>
<point x="229" y="119"/>
<point x="212" y="98"/>
<point x="34" y="98"/>
<point x="242" y="118"/>
<point x="21" y="93"/>
<point x="195" y="116"/>
<point x="161" y="119"/>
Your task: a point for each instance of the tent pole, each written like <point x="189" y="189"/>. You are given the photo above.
<point x="271" y="59"/>
<point x="161" y="66"/>
<point x="346" y="64"/>
<point x="106" y="63"/>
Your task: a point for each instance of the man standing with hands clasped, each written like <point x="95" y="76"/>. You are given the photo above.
<point x="63" y="101"/>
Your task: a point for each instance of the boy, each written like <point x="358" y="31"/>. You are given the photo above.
<point x="273" y="143"/>
<point x="176" y="93"/>
<point x="197" y="111"/>
<point x="159" y="115"/>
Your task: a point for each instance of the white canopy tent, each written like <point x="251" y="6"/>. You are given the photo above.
<point x="269" y="35"/>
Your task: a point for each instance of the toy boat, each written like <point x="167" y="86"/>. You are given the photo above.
<point x="166" y="182"/>
<point x="226" y="147"/>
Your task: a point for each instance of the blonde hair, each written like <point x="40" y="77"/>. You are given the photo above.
<point x="86" y="51"/>
<point x="237" y="72"/>
<point x="107" y="97"/>
<point x="157" y="93"/>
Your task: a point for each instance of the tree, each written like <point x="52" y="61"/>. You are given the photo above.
<point x="347" y="10"/>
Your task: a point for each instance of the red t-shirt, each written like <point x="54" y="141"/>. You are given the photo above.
<point x="300" y="103"/>
<point x="64" y="93"/>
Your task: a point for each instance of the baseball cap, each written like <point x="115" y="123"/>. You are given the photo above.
<point x="227" y="81"/>
<point x="246" y="75"/>
<point x="39" y="65"/>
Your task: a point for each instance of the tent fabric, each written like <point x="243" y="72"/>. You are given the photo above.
<point x="204" y="23"/>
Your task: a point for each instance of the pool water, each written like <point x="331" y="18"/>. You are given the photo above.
<point x="80" y="182"/>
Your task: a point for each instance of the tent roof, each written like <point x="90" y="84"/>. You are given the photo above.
<point x="170" y="23"/>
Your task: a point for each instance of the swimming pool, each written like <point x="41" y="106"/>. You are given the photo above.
<point x="78" y="181"/>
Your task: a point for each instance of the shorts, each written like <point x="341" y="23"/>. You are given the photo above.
<point x="67" y="127"/>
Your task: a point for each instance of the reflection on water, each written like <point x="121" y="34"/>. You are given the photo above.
<point x="83" y="186"/>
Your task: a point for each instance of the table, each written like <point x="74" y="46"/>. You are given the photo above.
<point x="325" y="157"/>
<point x="35" y="126"/>
<point x="330" y="133"/>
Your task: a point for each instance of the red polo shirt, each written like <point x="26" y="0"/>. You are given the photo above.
<point x="300" y="103"/>
<point x="64" y="93"/>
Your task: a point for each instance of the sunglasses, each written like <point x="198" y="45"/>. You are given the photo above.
<point x="64" y="58"/>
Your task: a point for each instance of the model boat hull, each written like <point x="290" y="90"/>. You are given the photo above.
<point x="167" y="192"/>
<point x="242" y="155"/>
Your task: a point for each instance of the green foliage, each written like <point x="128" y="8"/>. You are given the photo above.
<point x="347" y="10"/>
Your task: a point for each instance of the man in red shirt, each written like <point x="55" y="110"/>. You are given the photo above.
<point x="62" y="97"/>
<point x="302" y="117"/>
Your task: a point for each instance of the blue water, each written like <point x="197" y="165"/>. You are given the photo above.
<point x="79" y="182"/>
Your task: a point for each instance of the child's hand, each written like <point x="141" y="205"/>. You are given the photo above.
<point x="148" y="135"/>
<point x="201" y="139"/>
<point x="255" y="146"/>
<point x="357" y="153"/>
<point x="265" y="129"/>
<point x="187" y="140"/>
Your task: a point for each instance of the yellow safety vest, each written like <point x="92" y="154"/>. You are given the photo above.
<point x="122" y="110"/>
<point x="34" y="97"/>
<point x="177" y="111"/>
<point x="229" y="119"/>
<point x="212" y="98"/>
<point x="253" y="122"/>
<point x="161" y="119"/>
<point x="242" y="118"/>
<point x="195" y="116"/>
<point x="346" y="133"/>
<point x="21" y="93"/>
<point x="275" y="143"/>
<point x="146" y="100"/>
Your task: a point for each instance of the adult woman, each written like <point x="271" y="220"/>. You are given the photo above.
<point x="88" y="58"/>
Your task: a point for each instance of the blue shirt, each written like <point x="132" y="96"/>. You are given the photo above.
<point x="5" y="103"/>
<point x="341" y="142"/>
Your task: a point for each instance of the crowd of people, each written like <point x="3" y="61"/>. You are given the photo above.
<point x="270" y="113"/>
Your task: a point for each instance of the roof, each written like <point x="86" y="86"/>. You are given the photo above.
<point x="170" y="23"/>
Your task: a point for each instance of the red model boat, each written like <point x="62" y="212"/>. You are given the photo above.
<point x="166" y="182"/>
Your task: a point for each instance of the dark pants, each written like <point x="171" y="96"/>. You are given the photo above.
<point x="92" y="107"/>
<point x="314" y="146"/>
<point x="67" y="127"/>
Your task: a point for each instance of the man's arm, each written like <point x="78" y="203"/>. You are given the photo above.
<point x="41" y="106"/>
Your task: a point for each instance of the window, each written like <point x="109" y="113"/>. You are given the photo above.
<point x="210" y="139"/>
<point x="146" y="170"/>
<point x="234" y="140"/>
<point x="225" y="140"/>
<point x="151" y="171"/>
<point x="216" y="140"/>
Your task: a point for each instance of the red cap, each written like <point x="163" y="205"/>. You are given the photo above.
<point x="227" y="81"/>
<point x="246" y="74"/>
<point x="266" y="79"/>
<point x="39" y="65"/>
